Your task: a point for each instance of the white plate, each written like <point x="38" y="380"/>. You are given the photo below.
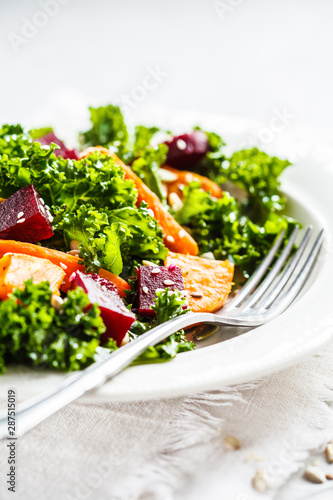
<point x="304" y="329"/>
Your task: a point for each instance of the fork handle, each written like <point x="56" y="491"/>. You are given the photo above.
<point x="35" y="410"/>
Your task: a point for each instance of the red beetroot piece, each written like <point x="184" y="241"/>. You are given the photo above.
<point x="24" y="217"/>
<point x="186" y="150"/>
<point x="117" y="318"/>
<point x="66" y="153"/>
<point x="152" y="278"/>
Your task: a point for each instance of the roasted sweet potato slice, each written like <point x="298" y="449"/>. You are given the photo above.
<point x="185" y="177"/>
<point x="69" y="263"/>
<point x="16" y="268"/>
<point x="175" y="237"/>
<point x="207" y="282"/>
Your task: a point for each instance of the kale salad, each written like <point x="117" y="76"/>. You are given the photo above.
<point x="135" y="226"/>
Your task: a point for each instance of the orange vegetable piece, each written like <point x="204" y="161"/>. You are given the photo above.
<point x="175" y="237"/>
<point x="210" y="278"/>
<point x="2" y="199"/>
<point x="185" y="177"/>
<point x="69" y="263"/>
<point x="15" y="269"/>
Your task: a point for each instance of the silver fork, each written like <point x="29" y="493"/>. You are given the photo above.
<point x="261" y="299"/>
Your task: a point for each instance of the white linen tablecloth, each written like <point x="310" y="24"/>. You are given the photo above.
<point x="174" y="449"/>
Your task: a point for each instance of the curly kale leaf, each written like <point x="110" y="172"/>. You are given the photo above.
<point x="219" y="227"/>
<point x="108" y="129"/>
<point x="33" y="332"/>
<point x="147" y="165"/>
<point x="258" y="174"/>
<point x="95" y="179"/>
<point x="14" y="141"/>
<point x="168" y="305"/>
<point x="112" y="238"/>
<point x="211" y="165"/>
<point x="142" y="138"/>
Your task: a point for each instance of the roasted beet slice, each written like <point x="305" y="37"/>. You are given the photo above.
<point x="24" y="217"/>
<point x="117" y="318"/>
<point x="66" y="153"/>
<point x="152" y="278"/>
<point x="186" y="150"/>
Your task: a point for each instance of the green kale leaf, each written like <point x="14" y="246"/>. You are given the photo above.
<point x="167" y="306"/>
<point x="108" y="129"/>
<point x="13" y="141"/>
<point x="147" y="165"/>
<point x="258" y="174"/>
<point x="33" y="332"/>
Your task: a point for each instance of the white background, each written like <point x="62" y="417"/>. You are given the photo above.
<point x="245" y="58"/>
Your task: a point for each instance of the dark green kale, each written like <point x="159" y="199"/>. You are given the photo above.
<point x="167" y="306"/>
<point x="108" y="129"/>
<point x="36" y="133"/>
<point x="147" y="165"/>
<point x="93" y="204"/>
<point x="113" y="238"/>
<point x="95" y="179"/>
<point x="220" y="227"/>
<point x="33" y="332"/>
<point x="13" y="141"/>
<point x="258" y="174"/>
<point x="211" y="165"/>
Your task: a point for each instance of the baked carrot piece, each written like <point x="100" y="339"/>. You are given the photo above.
<point x="175" y="237"/>
<point x="69" y="263"/>
<point x="184" y="178"/>
<point x="17" y="268"/>
<point x="207" y="282"/>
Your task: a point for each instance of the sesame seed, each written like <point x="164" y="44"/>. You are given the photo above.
<point x="42" y="201"/>
<point x="42" y="209"/>
<point x="50" y="217"/>
<point x="74" y="245"/>
<point x="167" y="175"/>
<point x="20" y="214"/>
<point x="56" y="302"/>
<point x="74" y="252"/>
<point x="63" y="265"/>
<point x="148" y="263"/>
<point x="168" y="282"/>
<point x="20" y="221"/>
<point x="159" y="290"/>
<point x="151" y="213"/>
<point x="156" y="271"/>
<point x="197" y="295"/>
<point x="189" y="178"/>
<point x="145" y="290"/>
<point x="174" y="201"/>
<point x="181" y="233"/>
<point x="170" y="238"/>
<point x="181" y="144"/>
